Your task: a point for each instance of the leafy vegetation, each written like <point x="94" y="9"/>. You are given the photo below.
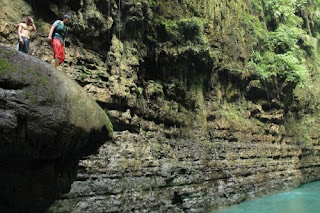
<point x="190" y="29"/>
<point x="272" y="43"/>
<point x="281" y="57"/>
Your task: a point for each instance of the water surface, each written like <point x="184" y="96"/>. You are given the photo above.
<point x="305" y="199"/>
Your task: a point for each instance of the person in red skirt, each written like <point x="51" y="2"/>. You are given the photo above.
<point x="57" y="33"/>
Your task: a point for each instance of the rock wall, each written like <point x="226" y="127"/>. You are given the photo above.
<point x="151" y="173"/>
<point x="195" y="129"/>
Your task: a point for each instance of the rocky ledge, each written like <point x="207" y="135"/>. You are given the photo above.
<point x="47" y="123"/>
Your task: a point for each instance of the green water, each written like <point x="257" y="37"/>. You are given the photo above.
<point x="305" y="199"/>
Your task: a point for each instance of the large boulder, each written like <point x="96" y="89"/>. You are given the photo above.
<point x="47" y="123"/>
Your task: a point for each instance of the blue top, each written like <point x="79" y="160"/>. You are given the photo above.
<point x="60" y="30"/>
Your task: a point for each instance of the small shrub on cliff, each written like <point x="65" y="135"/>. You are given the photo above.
<point x="171" y="31"/>
<point x="285" y="38"/>
<point x="192" y="28"/>
<point x="286" y="68"/>
<point x="183" y="30"/>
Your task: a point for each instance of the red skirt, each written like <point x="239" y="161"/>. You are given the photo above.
<point x="58" y="49"/>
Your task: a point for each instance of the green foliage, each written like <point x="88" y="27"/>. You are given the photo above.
<point x="291" y="68"/>
<point x="171" y="30"/>
<point x="285" y="67"/>
<point x="281" y="10"/>
<point x="281" y="7"/>
<point x="190" y="29"/>
<point x="310" y="45"/>
<point x="256" y="4"/>
<point x="281" y="33"/>
<point x="154" y="3"/>
<point x="280" y="58"/>
<point x="285" y="38"/>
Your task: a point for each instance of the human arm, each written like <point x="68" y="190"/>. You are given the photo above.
<point x="19" y="33"/>
<point x="50" y="32"/>
<point x="33" y="25"/>
<point x="52" y="28"/>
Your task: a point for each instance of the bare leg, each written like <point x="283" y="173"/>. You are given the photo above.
<point x="57" y="63"/>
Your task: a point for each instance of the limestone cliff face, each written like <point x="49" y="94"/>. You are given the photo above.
<point x="197" y="125"/>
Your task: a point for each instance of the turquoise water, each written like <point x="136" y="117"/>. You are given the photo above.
<point x="305" y="199"/>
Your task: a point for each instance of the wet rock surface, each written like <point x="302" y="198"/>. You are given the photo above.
<point x="47" y="123"/>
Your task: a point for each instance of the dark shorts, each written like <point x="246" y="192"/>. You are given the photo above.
<point x="25" y="46"/>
